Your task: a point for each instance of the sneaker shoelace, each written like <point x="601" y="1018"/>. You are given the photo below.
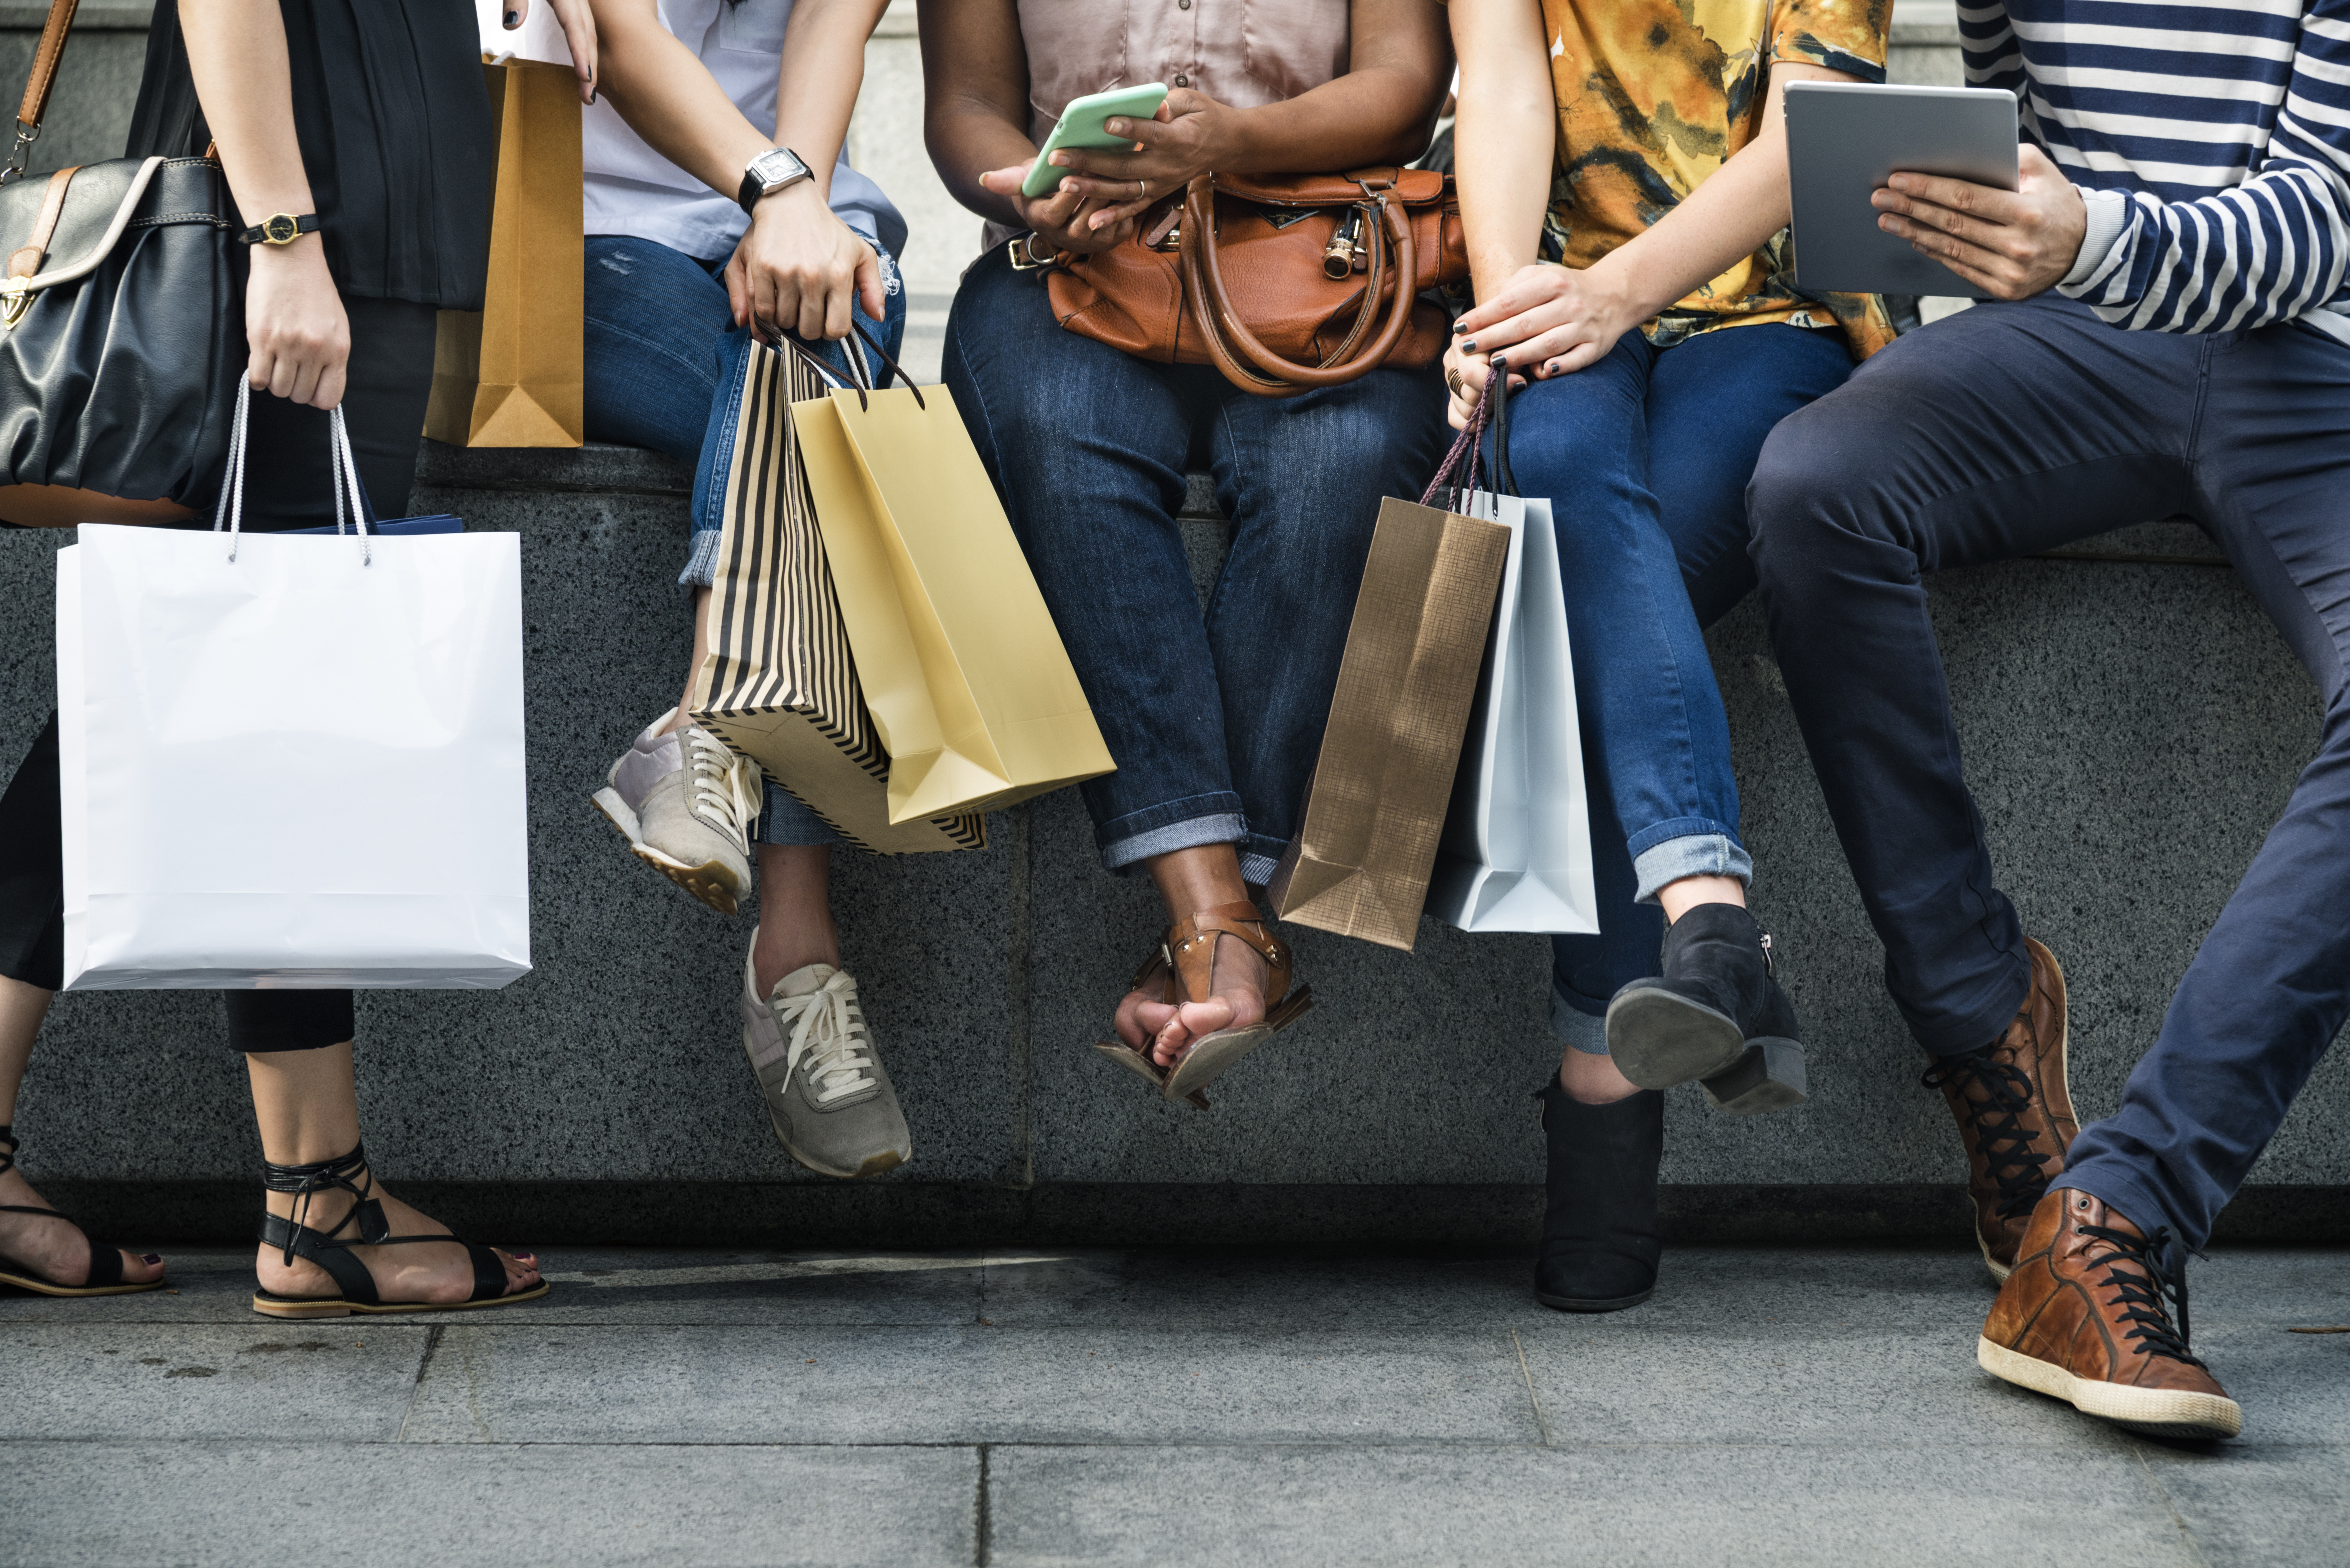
<point x="828" y="1028"/>
<point x="2143" y="1289"/>
<point x="726" y="786"/>
<point x="1997" y="1121"/>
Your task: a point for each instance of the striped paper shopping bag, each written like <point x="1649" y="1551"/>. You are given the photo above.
<point x="779" y="685"/>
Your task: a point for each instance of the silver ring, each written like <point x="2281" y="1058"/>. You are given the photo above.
<point x="1141" y="189"/>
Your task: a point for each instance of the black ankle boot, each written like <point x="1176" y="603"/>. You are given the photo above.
<point x="1715" y="1014"/>
<point x="1600" y="1240"/>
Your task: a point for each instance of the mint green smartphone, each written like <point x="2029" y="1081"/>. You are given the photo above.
<point x="1080" y="125"/>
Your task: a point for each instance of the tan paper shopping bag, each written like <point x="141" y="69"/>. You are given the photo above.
<point x="779" y="684"/>
<point x="509" y="373"/>
<point x="1374" y="810"/>
<point x="963" y="670"/>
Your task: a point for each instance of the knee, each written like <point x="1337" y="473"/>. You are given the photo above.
<point x="1810" y="489"/>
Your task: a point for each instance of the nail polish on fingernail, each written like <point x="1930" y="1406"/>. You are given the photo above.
<point x="1469" y="345"/>
<point x="511" y="17"/>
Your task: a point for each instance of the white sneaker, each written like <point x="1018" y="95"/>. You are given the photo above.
<point x="828" y="1098"/>
<point x="687" y="804"/>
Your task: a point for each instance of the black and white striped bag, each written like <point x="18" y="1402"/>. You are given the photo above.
<point x="779" y="685"/>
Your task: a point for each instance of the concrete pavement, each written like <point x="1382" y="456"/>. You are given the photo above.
<point x="1169" y="1408"/>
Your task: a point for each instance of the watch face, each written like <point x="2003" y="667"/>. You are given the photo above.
<point x="774" y="168"/>
<point x="281" y="229"/>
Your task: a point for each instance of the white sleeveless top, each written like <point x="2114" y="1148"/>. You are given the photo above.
<point x="634" y="190"/>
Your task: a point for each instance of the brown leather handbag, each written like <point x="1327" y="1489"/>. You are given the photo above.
<point x="1282" y="282"/>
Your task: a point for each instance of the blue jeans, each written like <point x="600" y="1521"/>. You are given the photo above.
<point x="664" y="369"/>
<point x="1644" y="458"/>
<point x="1214" y="722"/>
<point x="2010" y="429"/>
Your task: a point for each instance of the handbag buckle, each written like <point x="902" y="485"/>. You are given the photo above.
<point x="1024" y="258"/>
<point x="15" y="300"/>
<point x="20" y="154"/>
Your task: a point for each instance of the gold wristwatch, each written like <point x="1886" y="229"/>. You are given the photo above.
<point x="281" y="229"/>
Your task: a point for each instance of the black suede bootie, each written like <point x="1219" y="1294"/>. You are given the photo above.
<point x="1600" y="1239"/>
<point x="1716" y="1014"/>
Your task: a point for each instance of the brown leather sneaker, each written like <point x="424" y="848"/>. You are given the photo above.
<point x="2015" y="1112"/>
<point x="2085" y="1318"/>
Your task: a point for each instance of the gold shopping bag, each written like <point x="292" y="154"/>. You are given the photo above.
<point x="1375" y="810"/>
<point x="780" y="684"/>
<point x="963" y="670"/>
<point x="509" y="374"/>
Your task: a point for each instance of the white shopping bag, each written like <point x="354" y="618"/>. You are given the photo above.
<point x="540" y="36"/>
<point x="1516" y="850"/>
<point x="291" y="761"/>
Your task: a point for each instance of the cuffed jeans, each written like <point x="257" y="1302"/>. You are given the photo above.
<point x="1643" y="457"/>
<point x="2013" y="428"/>
<point x="664" y="369"/>
<point x="1214" y="725"/>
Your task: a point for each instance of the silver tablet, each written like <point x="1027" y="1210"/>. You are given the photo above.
<point x="1844" y="139"/>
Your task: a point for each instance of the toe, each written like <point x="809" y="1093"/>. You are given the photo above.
<point x="141" y="1268"/>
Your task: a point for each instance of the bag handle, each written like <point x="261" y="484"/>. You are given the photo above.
<point x="860" y="374"/>
<point x="1211" y="306"/>
<point x="44" y="77"/>
<point x="343" y="474"/>
<point x="1492" y="410"/>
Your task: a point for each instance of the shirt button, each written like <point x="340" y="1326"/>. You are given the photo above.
<point x="1182" y="81"/>
<point x="1182" y="5"/>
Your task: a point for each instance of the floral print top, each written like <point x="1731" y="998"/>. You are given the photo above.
<point x="1655" y="95"/>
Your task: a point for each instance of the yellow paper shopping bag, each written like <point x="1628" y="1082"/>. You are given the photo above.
<point x="964" y="672"/>
<point x="510" y="374"/>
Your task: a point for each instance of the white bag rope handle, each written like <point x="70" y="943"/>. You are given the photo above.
<point x="342" y="464"/>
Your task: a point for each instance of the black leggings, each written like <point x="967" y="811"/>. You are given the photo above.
<point x="390" y="379"/>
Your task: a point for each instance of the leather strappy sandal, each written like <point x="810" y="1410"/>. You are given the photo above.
<point x="330" y="1250"/>
<point x="1184" y="969"/>
<point x="105" y="1260"/>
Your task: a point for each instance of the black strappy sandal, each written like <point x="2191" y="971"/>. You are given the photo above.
<point x="105" y="1262"/>
<point x="330" y="1250"/>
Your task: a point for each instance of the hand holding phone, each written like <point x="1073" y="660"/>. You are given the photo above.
<point x="1080" y="125"/>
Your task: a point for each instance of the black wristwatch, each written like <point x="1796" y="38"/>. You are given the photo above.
<point x="281" y="229"/>
<point x="769" y="172"/>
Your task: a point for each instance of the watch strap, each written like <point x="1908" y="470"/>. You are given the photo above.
<point x="280" y="229"/>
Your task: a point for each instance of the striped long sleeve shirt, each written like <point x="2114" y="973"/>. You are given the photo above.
<point x="2211" y="141"/>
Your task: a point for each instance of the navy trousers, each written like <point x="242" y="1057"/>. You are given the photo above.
<point x="2013" y="428"/>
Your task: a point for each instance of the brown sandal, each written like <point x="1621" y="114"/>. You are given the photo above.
<point x="1184" y="969"/>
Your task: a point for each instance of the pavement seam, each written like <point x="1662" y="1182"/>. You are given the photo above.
<point x="416" y="1391"/>
<point x="981" y="1524"/>
<point x="2170" y="1505"/>
<point x="1541" y="1422"/>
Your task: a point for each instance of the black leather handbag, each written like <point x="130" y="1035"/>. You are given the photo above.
<point x="121" y="330"/>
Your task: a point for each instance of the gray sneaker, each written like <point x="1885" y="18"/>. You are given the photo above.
<point x="827" y="1096"/>
<point x="687" y="804"/>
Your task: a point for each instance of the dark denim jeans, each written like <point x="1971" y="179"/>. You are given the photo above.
<point x="664" y="369"/>
<point x="2009" y="429"/>
<point x="1644" y="458"/>
<point x="1214" y="722"/>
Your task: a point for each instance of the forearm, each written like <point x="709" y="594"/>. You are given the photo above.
<point x="1504" y="136"/>
<point x="666" y="96"/>
<point x="237" y="58"/>
<point x="823" y="70"/>
<point x="975" y="98"/>
<point x="1379" y="115"/>
<point x="1731" y="214"/>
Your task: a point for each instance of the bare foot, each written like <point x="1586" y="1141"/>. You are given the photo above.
<point x="56" y="1249"/>
<point x="408" y="1272"/>
<point x="1237" y="1002"/>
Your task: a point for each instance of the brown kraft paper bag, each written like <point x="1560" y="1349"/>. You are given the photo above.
<point x="510" y="373"/>
<point x="780" y="683"/>
<point x="1375" y="810"/>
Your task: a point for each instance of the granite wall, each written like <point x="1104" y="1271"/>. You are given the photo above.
<point x="2132" y="726"/>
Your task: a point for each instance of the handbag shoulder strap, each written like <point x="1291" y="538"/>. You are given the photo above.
<point x="44" y="77"/>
